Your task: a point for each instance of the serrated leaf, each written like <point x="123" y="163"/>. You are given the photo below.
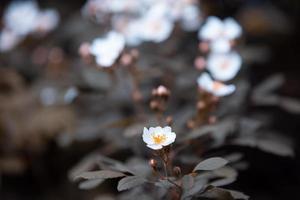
<point x="101" y="174"/>
<point x="130" y="182"/>
<point x="211" y="164"/>
<point x="90" y="184"/>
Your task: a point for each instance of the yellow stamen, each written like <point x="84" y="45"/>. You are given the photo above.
<point x="158" y="139"/>
<point x="225" y="64"/>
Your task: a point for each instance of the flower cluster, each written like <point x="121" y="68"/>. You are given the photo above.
<point x="145" y="20"/>
<point x="22" y="18"/>
<point x="222" y="62"/>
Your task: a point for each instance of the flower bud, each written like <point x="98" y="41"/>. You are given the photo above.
<point x="204" y="47"/>
<point x="153" y="164"/>
<point x="154" y="105"/>
<point x="191" y="124"/>
<point x="177" y="171"/>
<point x="84" y="50"/>
<point x="126" y="59"/>
<point x="212" y="119"/>
<point x="201" y="105"/>
<point x="169" y="120"/>
<point x="200" y="63"/>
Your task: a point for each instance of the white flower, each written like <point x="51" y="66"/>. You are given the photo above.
<point x="190" y="19"/>
<point x="71" y="94"/>
<point x="220" y="33"/>
<point x="106" y="50"/>
<point x="224" y="66"/>
<point x="220" y="45"/>
<point x="214" y="28"/>
<point x="8" y="40"/>
<point x="158" y="137"/>
<point x="155" y="29"/>
<point x="130" y="30"/>
<point x="214" y="87"/>
<point x="125" y="6"/>
<point x="21" y="16"/>
<point x="47" y="20"/>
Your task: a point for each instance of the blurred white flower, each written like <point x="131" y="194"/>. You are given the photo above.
<point x="158" y="137"/>
<point x="21" y="16"/>
<point x="156" y="29"/>
<point x="125" y="6"/>
<point x="106" y="50"/>
<point x="190" y="19"/>
<point x="214" y="28"/>
<point x="224" y="66"/>
<point x="154" y="25"/>
<point x="8" y="40"/>
<point x="47" y="20"/>
<point x="220" y="33"/>
<point x="220" y="45"/>
<point x="70" y="94"/>
<point x="214" y="87"/>
<point x="48" y="96"/>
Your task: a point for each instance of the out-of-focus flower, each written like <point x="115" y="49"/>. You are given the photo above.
<point x="158" y="137"/>
<point x="154" y="25"/>
<point x="214" y="28"/>
<point x="48" y="96"/>
<point x="106" y="50"/>
<point x="190" y="19"/>
<point x="47" y="20"/>
<point x="156" y="29"/>
<point x="214" y="87"/>
<point x="132" y="33"/>
<point x="224" y="66"/>
<point x="125" y="6"/>
<point x="8" y="40"/>
<point x="21" y="16"/>
<point x="70" y="94"/>
<point x="220" y="33"/>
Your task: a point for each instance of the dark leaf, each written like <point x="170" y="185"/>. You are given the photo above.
<point x="101" y="174"/>
<point x="217" y="193"/>
<point x="187" y="181"/>
<point x="90" y="184"/>
<point x="238" y="195"/>
<point x="211" y="164"/>
<point x="290" y="105"/>
<point x="164" y="184"/>
<point x="130" y="182"/>
<point x="198" y="186"/>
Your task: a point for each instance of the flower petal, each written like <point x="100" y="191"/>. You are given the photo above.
<point x="170" y="139"/>
<point x="155" y="146"/>
<point x="147" y="136"/>
<point x="167" y="129"/>
<point x="232" y="28"/>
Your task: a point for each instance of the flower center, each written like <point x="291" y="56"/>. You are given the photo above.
<point x="216" y="85"/>
<point x="158" y="139"/>
<point x="225" y="64"/>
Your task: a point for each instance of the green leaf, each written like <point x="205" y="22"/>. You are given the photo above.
<point x="130" y="182"/>
<point x="211" y="164"/>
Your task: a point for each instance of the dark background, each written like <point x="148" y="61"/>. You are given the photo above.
<point x="269" y="177"/>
